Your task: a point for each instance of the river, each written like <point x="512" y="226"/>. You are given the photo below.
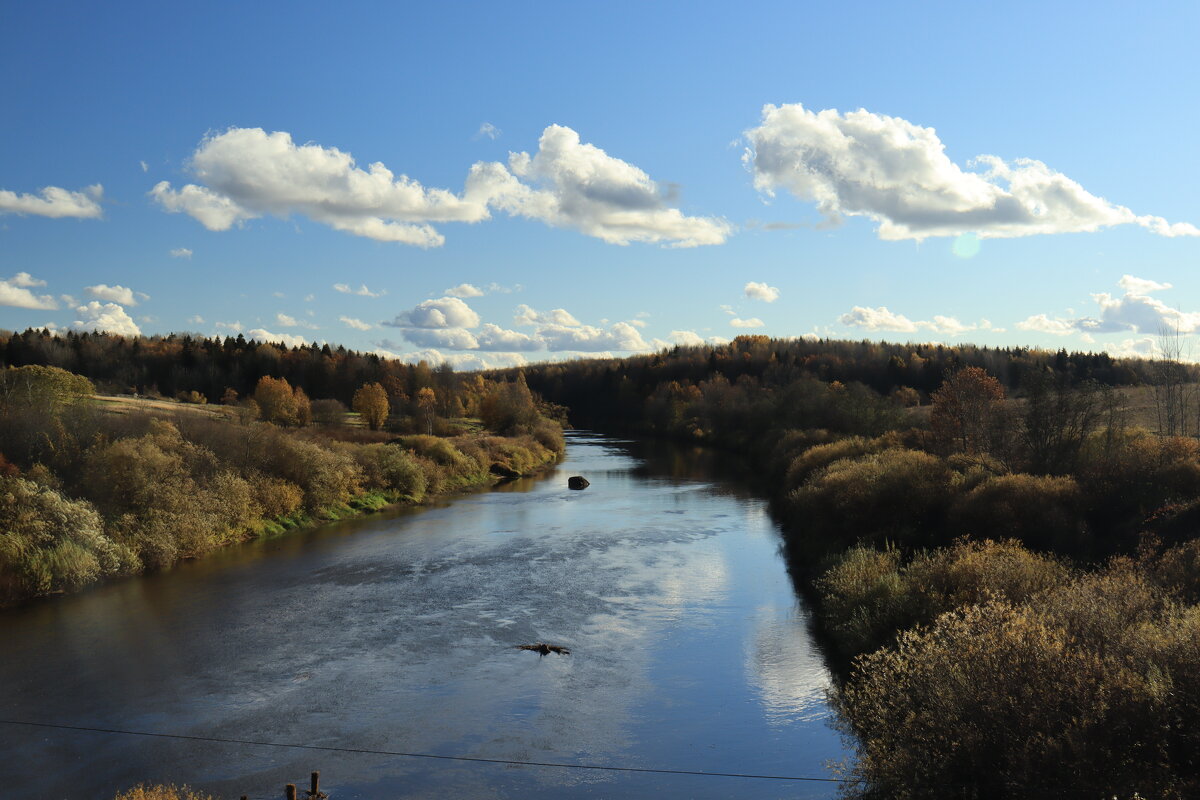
<point x="690" y="651"/>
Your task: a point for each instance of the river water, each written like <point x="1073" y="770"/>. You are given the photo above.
<point x="689" y="651"/>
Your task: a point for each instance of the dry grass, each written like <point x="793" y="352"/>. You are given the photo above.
<point x="162" y="792"/>
<point x="126" y="404"/>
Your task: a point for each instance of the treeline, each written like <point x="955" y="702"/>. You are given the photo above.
<point x="604" y="392"/>
<point x="86" y="493"/>
<point x="202" y="369"/>
<point x="1012" y="573"/>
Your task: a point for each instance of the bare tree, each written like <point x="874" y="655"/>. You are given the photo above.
<point x="1173" y="395"/>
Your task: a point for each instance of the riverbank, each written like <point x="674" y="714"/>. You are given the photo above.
<point x="98" y="495"/>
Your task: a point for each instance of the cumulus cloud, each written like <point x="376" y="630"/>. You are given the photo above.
<point x="493" y="337"/>
<point x="761" y="291"/>
<point x="446" y="312"/>
<point x="107" y="317"/>
<point x="288" y="339"/>
<point x="451" y="338"/>
<point x="24" y="279"/>
<point x="113" y="294"/>
<point x="181" y="252"/>
<point x="897" y="174"/>
<point x="1041" y="323"/>
<point x="15" y="292"/>
<point x="877" y="319"/>
<point x="291" y="322"/>
<point x="356" y="324"/>
<point x="245" y="173"/>
<point x="464" y="290"/>
<point x="557" y="316"/>
<point x="1134" y="310"/>
<point x="881" y="319"/>
<point x="489" y="130"/>
<point x="588" y="339"/>
<point x="571" y="184"/>
<point x="55" y="202"/>
<point x="361" y="291"/>
<point x="753" y="322"/>
<point x="460" y="361"/>
<point x="688" y="339"/>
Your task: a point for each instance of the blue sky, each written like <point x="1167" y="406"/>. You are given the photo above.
<point x="1002" y="174"/>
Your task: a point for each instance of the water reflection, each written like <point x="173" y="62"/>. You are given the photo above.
<point x="400" y="633"/>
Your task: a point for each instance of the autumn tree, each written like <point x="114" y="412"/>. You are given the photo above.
<point x="427" y="408"/>
<point x="280" y="404"/>
<point x="371" y="402"/>
<point x="964" y="409"/>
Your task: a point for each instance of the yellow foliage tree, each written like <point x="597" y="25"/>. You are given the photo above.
<point x="371" y="402"/>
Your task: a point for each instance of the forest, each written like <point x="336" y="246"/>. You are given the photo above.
<point x="1005" y="566"/>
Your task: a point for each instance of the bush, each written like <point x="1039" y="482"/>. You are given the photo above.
<point x="1043" y="512"/>
<point x="162" y="792"/>
<point x="896" y="495"/>
<point x="49" y="543"/>
<point x="995" y="701"/>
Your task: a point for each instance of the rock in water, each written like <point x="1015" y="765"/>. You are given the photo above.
<point x="541" y="648"/>
<point x="577" y="482"/>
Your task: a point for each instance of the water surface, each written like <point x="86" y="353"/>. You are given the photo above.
<point x="689" y="651"/>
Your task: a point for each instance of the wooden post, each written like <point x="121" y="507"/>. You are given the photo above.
<point x="315" y="792"/>
<point x="289" y="791"/>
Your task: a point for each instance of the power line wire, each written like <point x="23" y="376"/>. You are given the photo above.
<point x="367" y="751"/>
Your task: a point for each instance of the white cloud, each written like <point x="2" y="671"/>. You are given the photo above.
<point x="1134" y="310"/>
<point x="55" y="202"/>
<point x="497" y="288"/>
<point x="113" y="294"/>
<point x="638" y="323"/>
<point x="291" y="322"/>
<point x="881" y="319"/>
<point x="570" y="184"/>
<point x="1144" y="347"/>
<point x="897" y="174"/>
<point x="145" y="166"/>
<point x="25" y="280"/>
<point x="489" y="130"/>
<point x="753" y="322"/>
<point x="685" y="338"/>
<point x="761" y="291"/>
<point x="460" y="361"/>
<point x="557" y="316"/>
<point x="181" y="252"/>
<point x="15" y="292"/>
<point x="1041" y="323"/>
<point x="464" y="290"/>
<point x="108" y="317"/>
<point x="728" y="310"/>
<point x="362" y="290"/>
<point x="493" y="337"/>
<point x="877" y="319"/>
<point x="276" y="338"/>
<point x="588" y="339"/>
<point x="447" y="312"/>
<point x="246" y="172"/>
<point x="196" y="319"/>
<point x="357" y="324"/>
<point x="948" y="325"/>
<point x="450" y="338"/>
